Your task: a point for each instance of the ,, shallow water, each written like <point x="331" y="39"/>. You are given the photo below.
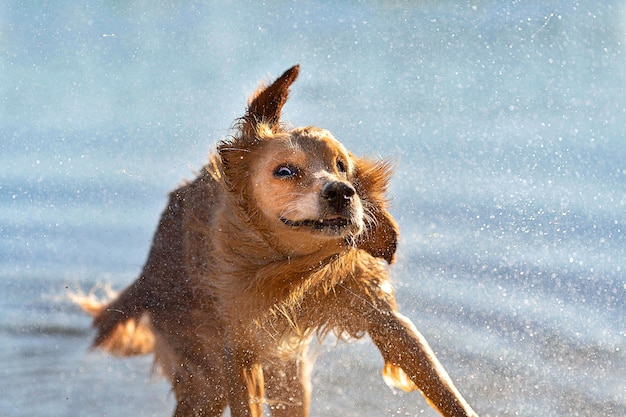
<point x="506" y="122"/>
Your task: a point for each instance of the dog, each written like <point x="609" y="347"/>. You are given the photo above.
<point x="284" y="236"/>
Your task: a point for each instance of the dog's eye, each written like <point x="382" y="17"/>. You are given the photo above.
<point x="285" y="171"/>
<point x="340" y="166"/>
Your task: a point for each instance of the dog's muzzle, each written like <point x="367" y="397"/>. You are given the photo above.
<point x="337" y="198"/>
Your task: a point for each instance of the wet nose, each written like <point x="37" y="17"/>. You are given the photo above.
<point x="338" y="194"/>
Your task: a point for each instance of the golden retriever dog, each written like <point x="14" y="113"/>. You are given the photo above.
<point x="284" y="236"/>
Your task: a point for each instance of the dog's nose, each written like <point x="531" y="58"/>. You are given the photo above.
<point x="338" y="194"/>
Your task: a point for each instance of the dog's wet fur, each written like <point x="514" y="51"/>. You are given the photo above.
<point x="285" y="235"/>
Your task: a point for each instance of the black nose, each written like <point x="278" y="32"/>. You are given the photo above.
<point x="338" y="194"/>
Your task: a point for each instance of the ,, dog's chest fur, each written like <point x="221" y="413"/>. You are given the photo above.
<point x="228" y="274"/>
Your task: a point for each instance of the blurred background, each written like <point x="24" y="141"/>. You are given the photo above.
<point x="507" y="121"/>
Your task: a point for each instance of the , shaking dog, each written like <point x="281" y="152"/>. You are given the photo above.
<point x="283" y="236"/>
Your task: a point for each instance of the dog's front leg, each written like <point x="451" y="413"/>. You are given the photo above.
<point x="244" y="378"/>
<point x="411" y="363"/>
<point x="288" y="385"/>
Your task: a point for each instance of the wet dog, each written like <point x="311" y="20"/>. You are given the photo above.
<point x="285" y="235"/>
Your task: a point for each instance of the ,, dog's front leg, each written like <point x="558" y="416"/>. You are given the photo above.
<point x="410" y="363"/>
<point x="288" y="385"/>
<point x="244" y="379"/>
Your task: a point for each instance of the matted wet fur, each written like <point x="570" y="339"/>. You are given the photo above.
<point x="284" y="235"/>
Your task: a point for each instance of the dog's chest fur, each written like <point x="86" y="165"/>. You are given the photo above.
<point x="222" y="256"/>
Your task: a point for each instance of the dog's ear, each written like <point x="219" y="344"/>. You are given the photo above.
<point x="266" y="104"/>
<point x="380" y="237"/>
<point x="263" y="113"/>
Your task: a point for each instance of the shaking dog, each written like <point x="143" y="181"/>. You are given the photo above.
<point x="284" y="236"/>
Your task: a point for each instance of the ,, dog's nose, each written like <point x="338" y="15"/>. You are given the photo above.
<point x="338" y="194"/>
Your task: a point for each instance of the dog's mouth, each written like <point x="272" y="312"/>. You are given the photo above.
<point x="332" y="223"/>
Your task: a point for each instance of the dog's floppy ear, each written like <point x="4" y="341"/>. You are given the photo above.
<point x="267" y="103"/>
<point x="380" y="237"/>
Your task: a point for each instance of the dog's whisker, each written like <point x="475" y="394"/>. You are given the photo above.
<point x="231" y="148"/>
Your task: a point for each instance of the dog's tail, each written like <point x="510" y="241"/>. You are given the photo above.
<point x="122" y="324"/>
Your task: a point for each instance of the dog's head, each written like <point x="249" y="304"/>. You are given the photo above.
<point x="300" y="188"/>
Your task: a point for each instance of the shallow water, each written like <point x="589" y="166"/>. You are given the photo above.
<point x="507" y="124"/>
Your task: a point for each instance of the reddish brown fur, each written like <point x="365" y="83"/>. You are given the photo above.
<point x="283" y="235"/>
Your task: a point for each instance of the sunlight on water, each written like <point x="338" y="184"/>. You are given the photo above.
<point x="506" y="121"/>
